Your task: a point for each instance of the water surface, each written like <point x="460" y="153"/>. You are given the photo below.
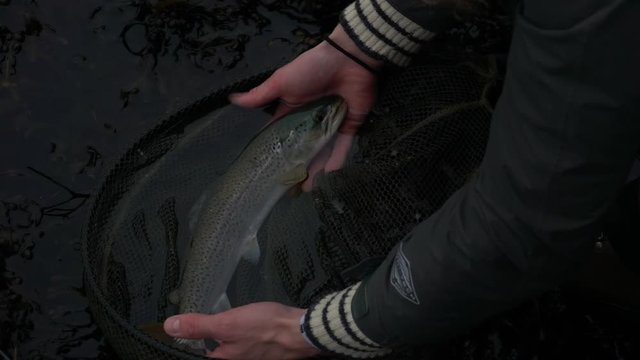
<point x="79" y="83"/>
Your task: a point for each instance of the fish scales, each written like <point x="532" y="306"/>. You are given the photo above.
<point x="239" y="202"/>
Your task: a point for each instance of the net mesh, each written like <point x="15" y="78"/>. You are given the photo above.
<point x="424" y="139"/>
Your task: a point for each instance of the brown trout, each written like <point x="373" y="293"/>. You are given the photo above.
<point x="228" y="220"/>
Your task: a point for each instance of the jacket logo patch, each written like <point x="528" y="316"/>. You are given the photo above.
<point x="401" y="278"/>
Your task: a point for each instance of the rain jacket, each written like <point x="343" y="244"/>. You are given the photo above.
<point x="564" y="135"/>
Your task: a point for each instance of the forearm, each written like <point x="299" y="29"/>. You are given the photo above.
<point x="563" y="137"/>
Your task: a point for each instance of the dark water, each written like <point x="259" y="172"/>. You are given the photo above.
<point x="80" y="82"/>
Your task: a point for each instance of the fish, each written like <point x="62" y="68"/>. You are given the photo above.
<point x="228" y="220"/>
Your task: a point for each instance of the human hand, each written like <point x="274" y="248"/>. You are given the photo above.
<point x="320" y="72"/>
<point x="265" y="331"/>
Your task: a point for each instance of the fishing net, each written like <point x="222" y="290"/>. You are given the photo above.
<point x="424" y="139"/>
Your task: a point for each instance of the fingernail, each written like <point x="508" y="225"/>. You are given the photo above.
<point x="173" y="325"/>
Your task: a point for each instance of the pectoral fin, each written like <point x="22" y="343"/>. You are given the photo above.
<point x="297" y="174"/>
<point x="223" y="304"/>
<point x="251" y="250"/>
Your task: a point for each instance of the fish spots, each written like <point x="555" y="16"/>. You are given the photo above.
<point x="276" y="146"/>
<point x="239" y="203"/>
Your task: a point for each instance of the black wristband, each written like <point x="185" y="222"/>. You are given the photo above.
<point x="351" y="56"/>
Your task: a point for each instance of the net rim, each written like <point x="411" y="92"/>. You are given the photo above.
<point x="187" y="115"/>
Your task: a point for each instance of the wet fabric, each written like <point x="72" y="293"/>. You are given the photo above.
<point x="563" y="138"/>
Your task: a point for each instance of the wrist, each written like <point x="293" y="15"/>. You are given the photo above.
<point x="290" y="336"/>
<point x="340" y="36"/>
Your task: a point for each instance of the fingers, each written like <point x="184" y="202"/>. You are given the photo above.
<point x="359" y="108"/>
<point x="197" y="326"/>
<point x="220" y="352"/>
<point x="329" y="159"/>
<point x="315" y="167"/>
<point x="340" y="152"/>
<point x="226" y="351"/>
<point x="352" y="123"/>
<point x="260" y="95"/>
<point x="360" y="97"/>
<point x="266" y="330"/>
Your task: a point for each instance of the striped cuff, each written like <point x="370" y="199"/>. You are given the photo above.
<point x="330" y="327"/>
<point x="382" y="32"/>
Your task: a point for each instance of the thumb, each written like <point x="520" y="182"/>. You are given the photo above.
<point x="360" y="103"/>
<point x="340" y="152"/>
<point x="260" y="95"/>
<point x="189" y="326"/>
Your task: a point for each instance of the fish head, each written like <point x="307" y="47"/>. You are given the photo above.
<point x="312" y="127"/>
<point x="327" y="118"/>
